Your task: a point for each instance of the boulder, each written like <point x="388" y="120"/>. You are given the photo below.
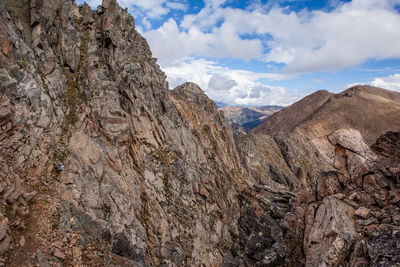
<point x="332" y="234"/>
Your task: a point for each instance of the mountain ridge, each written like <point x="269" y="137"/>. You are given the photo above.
<point x="353" y="108"/>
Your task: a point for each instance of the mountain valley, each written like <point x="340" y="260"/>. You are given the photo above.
<point x="248" y="118"/>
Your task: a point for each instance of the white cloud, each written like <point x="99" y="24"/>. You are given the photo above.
<point x="344" y="34"/>
<point x="221" y="82"/>
<point x="235" y="87"/>
<point x="177" y="6"/>
<point x="391" y="82"/>
<point x="306" y="41"/>
<point x="169" y="44"/>
<point x="146" y="9"/>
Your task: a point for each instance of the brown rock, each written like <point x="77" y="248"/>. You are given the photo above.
<point x="3" y="228"/>
<point x="57" y="253"/>
<point x="58" y="244"/>
<point x="363" y="213"/>
<point x="204" y="192"/>
<point x="76" y="252"/>
<point x="14" y="195"/>
<point x="332" y="234"/>
<point x="5" y="244"/>
<point x="30" y="195"/>
<point x="305" y="196"/>
<point x="396" y="219"/>
<point x="362" y="198"/>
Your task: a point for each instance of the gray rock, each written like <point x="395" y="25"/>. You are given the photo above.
<point x="5" y="244"/>
<point x="3" y="228"/>
<point x="41" y="259"/>
<point x="59" y="167"/>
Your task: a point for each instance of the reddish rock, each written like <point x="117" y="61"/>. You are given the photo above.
<point x="332" y="235"/>
<point x="363" y="213"/>
<point x="305" y="196"/>
<point x="362" y="198"/>
<point x="3" y="227"/>
<point x="59" y="254"/>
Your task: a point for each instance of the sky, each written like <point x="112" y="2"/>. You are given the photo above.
<point x="271" y="52"/>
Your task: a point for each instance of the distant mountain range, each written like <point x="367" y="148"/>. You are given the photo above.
<point x="220" y="104"/>
<point x="247" y="118"/>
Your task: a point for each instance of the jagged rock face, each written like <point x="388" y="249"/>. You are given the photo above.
<point x="261" y="229"/>
<point x="352" y="211"/>
<point x="147" y="172"/>
<point x="388" y="147"/>
<point x="347" y="203"/>
<point x="283" y="161"/>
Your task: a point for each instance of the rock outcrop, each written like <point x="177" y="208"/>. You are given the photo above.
<point x="351" y="207"/>
<point x="87" y="121"/>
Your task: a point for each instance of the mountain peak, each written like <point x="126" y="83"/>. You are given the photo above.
<point x="369" y="109"/>
<point x="189" y="88"/>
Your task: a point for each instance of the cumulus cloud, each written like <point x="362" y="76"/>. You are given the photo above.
<point x="391" y="82"/>
<point x="146" y="9"/>
<point x="235" y="87"/>
<point x="305" y="41"/>
<point x="169" y="44"/>
<point x="342" y="35"/>
<point x="221" y="82"/>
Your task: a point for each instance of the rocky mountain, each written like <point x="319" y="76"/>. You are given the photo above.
<point x="96" y="152"/>
<point x="102" y="165"/>
<point x="371" y="110"/>
<point x="347" y="202"/>
<point x="248" y="118"/>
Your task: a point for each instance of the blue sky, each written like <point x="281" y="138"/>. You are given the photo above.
<point x="272" y="52"/>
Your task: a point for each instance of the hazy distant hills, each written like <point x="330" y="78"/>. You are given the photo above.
<point x="371" y="110"/>
<point x="250" y="117"/>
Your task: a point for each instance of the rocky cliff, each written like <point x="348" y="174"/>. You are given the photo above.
<point x="97" y="152"/>
<point x="102" y="165"/>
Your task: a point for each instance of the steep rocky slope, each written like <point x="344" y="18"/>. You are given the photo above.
<point x="111" y="156"/>
<point x="288" y="118"/>
<point x="346" y="209"/>
<point x="337" y="211"/>
<point x="351" y="216"/>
